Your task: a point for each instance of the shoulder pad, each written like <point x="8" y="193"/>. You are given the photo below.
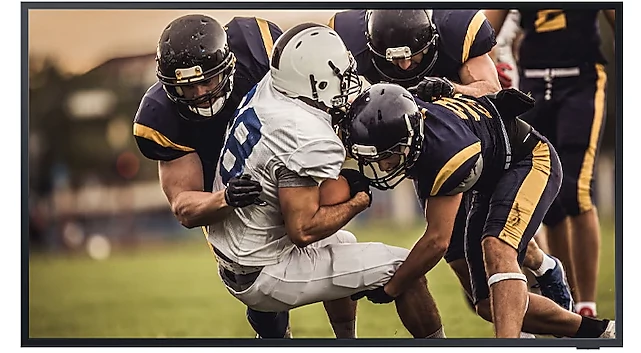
<point x="471" y="178"/>
<point x="460" y="171"/>
<point x="350" y="26"/>
<point x="463" y="34"/>
<point x="251" y="40"/>
<point x="157" y="127"/>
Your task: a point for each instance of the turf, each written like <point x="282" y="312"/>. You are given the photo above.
<point x="173" y="290"/>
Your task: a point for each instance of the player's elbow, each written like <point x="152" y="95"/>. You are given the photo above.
<point x="184" y="215"/>
<point x="489" y="85"/>
<point x="440" y="243"/>
<point x="300" y="238"/>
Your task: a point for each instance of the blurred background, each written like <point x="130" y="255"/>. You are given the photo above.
<point x="108" y="259"/>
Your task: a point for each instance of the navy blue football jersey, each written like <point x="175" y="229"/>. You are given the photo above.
<point x="463" y="34"/>
<point x="463" y="136"/>
<point x="163" y="134"/>
<point x="560" y="38"/>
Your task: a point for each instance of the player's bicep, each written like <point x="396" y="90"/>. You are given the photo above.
<point x="181" y="174"/>
<point x="440" y="213"/>
<point x="480" y="69"/>
<point x="299" y="199"/>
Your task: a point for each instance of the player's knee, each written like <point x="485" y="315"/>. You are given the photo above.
<point x="345" y="236"/>
<point x="496" y="248"/>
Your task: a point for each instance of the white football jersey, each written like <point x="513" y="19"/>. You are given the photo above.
<point x="270" y="131"/>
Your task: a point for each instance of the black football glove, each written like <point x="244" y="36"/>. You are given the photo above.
<point x="242" y="191"/>
<point x="357" y="183"/>
<point x="376" y="296"/>
<point x="433" y="88"/>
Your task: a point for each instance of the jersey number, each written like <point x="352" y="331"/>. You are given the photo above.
<point x="550" y="20"/>
<point x="242" y="137"/>
<point x="465" y="108"/>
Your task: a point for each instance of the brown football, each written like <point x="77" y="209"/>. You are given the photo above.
<point x="333" y="192"/>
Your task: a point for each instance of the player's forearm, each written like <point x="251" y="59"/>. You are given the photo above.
<point x="425" y="254"/>
<point x="478" y="88"/>
<point x="198" y="208"/>
<point x="329" y="220"/>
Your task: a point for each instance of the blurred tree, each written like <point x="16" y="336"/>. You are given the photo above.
<point x="47" y="122"/>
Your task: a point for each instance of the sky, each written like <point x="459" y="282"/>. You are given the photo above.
<point x="82" y="39"/>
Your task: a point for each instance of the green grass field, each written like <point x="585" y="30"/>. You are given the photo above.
<point x="174" y="291"/>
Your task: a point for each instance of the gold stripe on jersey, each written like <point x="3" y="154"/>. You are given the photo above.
<point x="453" y="165"/>
<point x="268" y="41"/>
<point x="162" y="140"/>
<point x="472" y="30"/>
<point x="587" y="168"/>
<point x="550" y="20"/>
<point x="528" y="196"/>
<point x="211" y="247"/>
<point x="331" y="22"/>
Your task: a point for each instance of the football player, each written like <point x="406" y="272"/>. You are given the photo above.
<point x="467" y="144"/>
<point x="438" y="53"/>
<point x="204" y="70"/>
<point x="562" y="65"/>
<point x="291" y="251"/>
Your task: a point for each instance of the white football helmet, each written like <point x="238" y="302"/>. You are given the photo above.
<point x="310" y="60"/>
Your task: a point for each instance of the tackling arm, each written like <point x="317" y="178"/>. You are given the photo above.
<point x="440" y="213"/>
<point x="478" y="77"/>
<point x="477" y="73"/>
<point x="182" y="182"/>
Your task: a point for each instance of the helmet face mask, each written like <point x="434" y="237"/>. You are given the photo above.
<point x="202" y="58"/>
<point x="390" y="39"/>
<point x="395" y="160"/>
<point x="383" y="132"/>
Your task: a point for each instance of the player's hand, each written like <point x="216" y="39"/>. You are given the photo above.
<point x="242" y="191"/>
<point x="433" y="88"/>
<point x="504" y="78"/>
<point x="357" y="183"/>
<point x="376" y="296"/>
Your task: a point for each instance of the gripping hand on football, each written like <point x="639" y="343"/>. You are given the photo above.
<point x="433" y="88"/>
<point x="357" y="183"/>
<point x="242" y="191"/>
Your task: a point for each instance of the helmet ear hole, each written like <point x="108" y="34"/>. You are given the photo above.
<point x="322" y="85"/>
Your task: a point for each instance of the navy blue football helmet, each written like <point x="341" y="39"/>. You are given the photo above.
<point x="383" y="124"/>
<point x="402" y="34"/>
<point x="193" y="49"/>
